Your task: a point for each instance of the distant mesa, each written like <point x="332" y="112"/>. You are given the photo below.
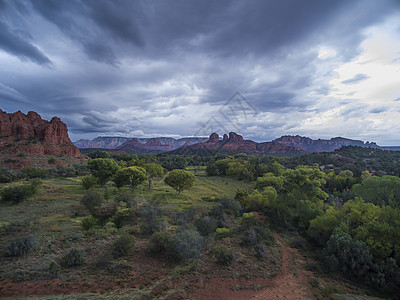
<point x="321" y="145"/>
<point x="31" y="134"/>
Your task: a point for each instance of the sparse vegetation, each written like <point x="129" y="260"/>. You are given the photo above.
<point x="75" y="257"/>
<point x="21" y="246"/>
<point x="221" y="225"/>
<point x="123" y="245"/>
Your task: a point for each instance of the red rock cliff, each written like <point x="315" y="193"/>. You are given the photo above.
<point x="31" y="134"/>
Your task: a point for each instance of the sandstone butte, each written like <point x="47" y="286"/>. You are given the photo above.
<point x="31" y="134"/>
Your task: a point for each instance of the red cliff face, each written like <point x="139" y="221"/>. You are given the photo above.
<point x="31" y="134"/>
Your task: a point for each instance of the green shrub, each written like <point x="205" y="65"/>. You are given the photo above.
<point x="150" y="219"/>
<point x="51" y="160"/>
<point x="159" y="242"/>
<point x="249" y="237"/>
<point x="128" y="199"/>
<point x="33" y="186"/>
<point x="261" y="250"/>
<point x="74" y="257"/>
<point x="223" y="255"/>
<point x="21" y="246"/>
<point x="6" y="175"/>
<point x="121" y="215"/>
<point x="249" y="220"/>
<point x="221" y="233"/>
<point x="351" y="257"/>
<point x="231" y="206"/>
<point x="15" y="194"/>
<point x="54" y="268"/>
<point x="32" y="172"/>
<point x="212" y="169"/>
<point x="205" y="225"/>
<point x="92" y="201"/>
<point x="123" y="245"/>
<point x="182" y="218"/>
<point x="186" y="244"/>
<point x="89" y="222"/>
<point x="89" y="181"/>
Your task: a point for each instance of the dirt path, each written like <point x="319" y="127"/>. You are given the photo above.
<point x="291" y="283"/>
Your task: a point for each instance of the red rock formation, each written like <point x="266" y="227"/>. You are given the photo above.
<point x="236" y="144"/>
<point x="31" y="134"/>
<point x="214" y="138"/>
<point x="234" y="137"/>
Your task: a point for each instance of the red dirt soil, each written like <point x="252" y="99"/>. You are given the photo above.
<point x="290" y="283"/>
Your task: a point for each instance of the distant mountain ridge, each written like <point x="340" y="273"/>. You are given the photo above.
<point x="321" y="145"/>
<point x="139" y="145"/>
<point x="234" y="143"/>
<point x="106" y="142"/>
<point x="157" y="145"/>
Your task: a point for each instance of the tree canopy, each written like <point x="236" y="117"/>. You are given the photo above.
<point x="153" y="170"/>
<point x="103" y="169"/>
<point x="132" y="176"/>
<point x="180" y="180"/>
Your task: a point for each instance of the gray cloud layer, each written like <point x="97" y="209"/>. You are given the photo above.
<point x="164" y="67"/>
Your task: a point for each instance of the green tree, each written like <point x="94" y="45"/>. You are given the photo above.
<point x="322" y="227"/>
<point x="103" y="169"/>
<point x="180" y="180"/>
<point x="89" y="181"/>
<point x="383" y="190"/>
<point x="130" y="175"/>
<point x="377" y="236"/>
<point x="153" y="170"/>
<point x="269" y="179"/>
<point x="239" y="169"/>
<point x="342" y="253"/>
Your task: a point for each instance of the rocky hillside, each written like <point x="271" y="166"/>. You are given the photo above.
<point x="234" y="143"/>
<point x="31" y="134"/>
<point x="320" y="145"/>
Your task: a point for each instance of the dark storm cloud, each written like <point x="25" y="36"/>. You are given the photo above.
<point x="9" y="94"/>
<point x="113" y="61"/>
<point x="17" y="43"/>
<point x="357" y="78"/>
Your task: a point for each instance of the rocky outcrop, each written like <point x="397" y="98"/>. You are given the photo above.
<point x="214" y="138"/>
<point x="321" y="145"/>
<point x="31" y="134"/>
<point x="236" y="144"/>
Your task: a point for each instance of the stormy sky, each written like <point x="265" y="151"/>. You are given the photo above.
<point x="262" y="68"/>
